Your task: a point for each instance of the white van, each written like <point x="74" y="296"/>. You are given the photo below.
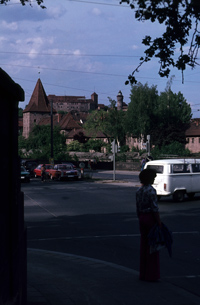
<point x="176" y="177"/>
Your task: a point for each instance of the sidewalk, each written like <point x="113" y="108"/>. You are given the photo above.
<point x="65" y="279"/>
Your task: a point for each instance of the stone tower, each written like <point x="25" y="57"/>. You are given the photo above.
<point x="38" y="107"/>
<point x="120" y="101"/>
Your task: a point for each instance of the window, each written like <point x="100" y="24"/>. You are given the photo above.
<point x="157" y="168"/>
<point x="180" y="168"/>
<point x="192" y="140"/>
<point x="196" y="168"/>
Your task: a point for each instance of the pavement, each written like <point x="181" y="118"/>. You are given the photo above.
<point x="65" y="279"/>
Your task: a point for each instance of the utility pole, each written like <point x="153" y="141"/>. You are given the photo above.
<point x="51" y="131"/>
<point x="114" y="150"/>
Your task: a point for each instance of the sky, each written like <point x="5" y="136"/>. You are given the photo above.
<point x="77" y="47"/>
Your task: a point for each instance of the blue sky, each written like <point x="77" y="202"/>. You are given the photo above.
<point x="78" y="47"/>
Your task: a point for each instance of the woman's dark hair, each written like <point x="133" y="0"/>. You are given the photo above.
<point x="147" y="176"/>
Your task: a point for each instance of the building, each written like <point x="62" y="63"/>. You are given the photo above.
<point x="193" y="136"/>
<point x="38" y="108"/>
<point x="74" y="103"/>
<point x="38" y="111"/>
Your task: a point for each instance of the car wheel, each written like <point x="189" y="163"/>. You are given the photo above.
<point x="178" y="196"/>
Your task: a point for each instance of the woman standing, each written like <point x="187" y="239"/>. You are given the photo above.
<point x="148" y="214"/>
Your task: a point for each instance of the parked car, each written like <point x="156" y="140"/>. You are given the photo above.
<point x="37" y="170"/>
<point x="25" y="175"/>
<point x="29" y="165"/>
<point x="63" y="171"/>
<point x="69" y="163"/>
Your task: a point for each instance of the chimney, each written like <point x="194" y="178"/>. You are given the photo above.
<point x="119" y="100"/>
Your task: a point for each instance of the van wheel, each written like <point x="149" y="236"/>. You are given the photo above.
<point x="158" y="197"/>
<point x="190" y="195"/>
<point x="178" y="196"/>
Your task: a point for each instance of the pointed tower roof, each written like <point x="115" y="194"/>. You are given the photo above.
<point x="39" y="101"/>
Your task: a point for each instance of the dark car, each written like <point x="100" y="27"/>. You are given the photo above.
<point x="29" y="165"/>
<point x="25" y="175"/>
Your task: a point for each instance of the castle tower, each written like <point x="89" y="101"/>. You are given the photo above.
<point x="38" y="107"/>
<point x="120" y="101"/>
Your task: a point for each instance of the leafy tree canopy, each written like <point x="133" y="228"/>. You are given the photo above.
<point x="39" y="142"/>
<point x="181" y="19"/>
<point x="165" y="117"/>
<point x="111" y="123"/>
<point x="23" y="2"/>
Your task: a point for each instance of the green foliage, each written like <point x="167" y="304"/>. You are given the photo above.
<point x="141" y="114"/>
<point x="23" y="2"/>
<point x="179" y="20"/>
<point x="75" y="146"/>
<point x="20" y="112"/>
<point x="95" y="145"/>
<point x="175" y="148"/>
<point x="124" y="148"/>
<point x="111" y="123"/>
<point x="165" y="117"/>
<point x="38" y="145"/>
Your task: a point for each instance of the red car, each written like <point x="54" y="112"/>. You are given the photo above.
<point x="37" y="170"/>
<point x="62" y="171"/>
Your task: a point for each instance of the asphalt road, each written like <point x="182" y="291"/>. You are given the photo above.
<point x="98" y="220"/>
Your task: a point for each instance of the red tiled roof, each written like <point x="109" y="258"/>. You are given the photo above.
<point x="194" y="129"/>
<point x="86" y="133"/>
<point x="67" y="122"/>
<point x="39" y="101"/>
<point x="47" y="121"/>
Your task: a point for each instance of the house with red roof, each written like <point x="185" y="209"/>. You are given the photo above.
<point x="193" y="136"/>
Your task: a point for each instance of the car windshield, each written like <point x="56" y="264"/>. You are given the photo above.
<point x="23" y="169"/>
<point x="64" y="166"/>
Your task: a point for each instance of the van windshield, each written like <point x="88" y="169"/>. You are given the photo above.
<point x="157" y="168"/>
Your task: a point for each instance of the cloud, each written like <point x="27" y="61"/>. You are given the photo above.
<point x="9" y="26"/>
<point x="135" y="47"/>
<point x="96" y="11"/>
<point x="56" y="12"/>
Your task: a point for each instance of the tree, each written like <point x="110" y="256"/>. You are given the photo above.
<point x="98" y="121"/>
<point x="173" y="117"/>
<point x="23" y="2"/>
<point x="38" y="143"/>
<point x="181" y="20"/>
<point x="165" y="117"/>
<point x="141" y="114"/>
<point x="111" y="123"/>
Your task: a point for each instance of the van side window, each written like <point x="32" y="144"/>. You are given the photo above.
<point x="157" y="168"/>
<point x="180" y="168"/>
<point x="196" y="168"/>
